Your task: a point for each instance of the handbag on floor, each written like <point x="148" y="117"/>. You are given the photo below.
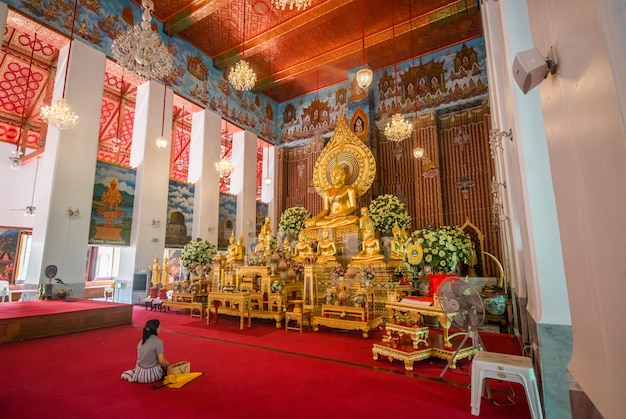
<point x="182" y="367"/>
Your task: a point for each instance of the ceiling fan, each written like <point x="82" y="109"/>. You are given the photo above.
<point x="30" y="210"/>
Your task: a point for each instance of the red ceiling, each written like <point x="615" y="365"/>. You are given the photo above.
<point x="294" y="53"/>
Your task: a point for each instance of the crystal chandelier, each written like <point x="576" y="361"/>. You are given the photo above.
<point x="141" y="50"/>
<point x="59" y="115"/>
<point x="224" y="167"/>
<point x="242" y="77"/>
<point x="398" y="129"/>
<point x="298" y="4"/>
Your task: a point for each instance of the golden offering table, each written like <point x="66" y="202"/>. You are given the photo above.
<point x="195" y="303"/>
<point x="416" y="309"/>
<point x="349" y="317"/>
<point x="346" y="318"/>
<point x="231" y="303"/>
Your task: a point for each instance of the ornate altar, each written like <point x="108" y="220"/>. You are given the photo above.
<point x="405" y="323"/>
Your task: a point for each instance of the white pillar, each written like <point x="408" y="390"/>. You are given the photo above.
<point x="204" y="152"/>
<point x="147" y="239"/>
<point x="67" y="172"/>
<point x="243" y="183"/>
<point x="268" y="191"/>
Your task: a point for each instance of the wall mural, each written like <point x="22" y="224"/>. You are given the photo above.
<point x="192" y="76"/>
<point x="9" y="238"/>
<point x="453" y="77"/>
<point x="112" y="205"/>
<point x="227" y="218"/>
<point x="179" y="214"/>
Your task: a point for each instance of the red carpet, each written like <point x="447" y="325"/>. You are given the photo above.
<point x="276" y="374"/>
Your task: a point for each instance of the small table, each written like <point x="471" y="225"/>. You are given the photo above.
<point x="299" y="315"/>
<point x="228" y="300"/>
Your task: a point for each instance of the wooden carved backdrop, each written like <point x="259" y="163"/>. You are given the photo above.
<point x="457" y="146"/>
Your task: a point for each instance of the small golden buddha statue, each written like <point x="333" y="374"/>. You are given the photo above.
<point x="370" y="248"/>
<point x="398" y="243"/>
<point x="339" y="202"/>
<point x="302" y="249"/>
<point x="365" y="220"/>
<point x="286" y="246"/>
<point x="326" y="249"/>
<point x="155" y="272"/>
<point x="265" y="238"/>
<point x="235" y="251"/>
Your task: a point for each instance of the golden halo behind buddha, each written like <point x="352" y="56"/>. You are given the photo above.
<point x="348" y="151"/>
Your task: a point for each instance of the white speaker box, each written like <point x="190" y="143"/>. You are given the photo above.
<point x="529" y="69"/>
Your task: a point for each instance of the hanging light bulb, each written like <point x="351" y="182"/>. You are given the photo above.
<point x="16" y="159"/>
<point x="364" y="76"/>
<point x="161" y="142"/>
<point x="418" y="152"/>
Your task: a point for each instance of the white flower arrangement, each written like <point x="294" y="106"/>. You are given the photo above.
<point x="198" y="252"/>
<point x="293" y="219"/>
<point x="443" y="248"/>
<point x="387" y="210"/>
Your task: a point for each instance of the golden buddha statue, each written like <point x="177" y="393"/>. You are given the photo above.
<point x="339" y="202"/>
<point x="286" y="246"/>
<point x="365" y="220"/>
<point x="263" y="246"/>
<point x="155" y="277"/>
<point x="343" y="172"/>
<point x="326" y="249"/>
<point x="302" y="249"/>
<point x="235" y="251"/>
<point x="370" y="248"/>
<point x="398" y="243"/>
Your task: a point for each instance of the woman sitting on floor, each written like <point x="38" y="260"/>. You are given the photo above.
<point x="151" y="363"/>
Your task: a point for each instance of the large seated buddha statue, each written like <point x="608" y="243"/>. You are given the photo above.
<point x="343" y="172"/>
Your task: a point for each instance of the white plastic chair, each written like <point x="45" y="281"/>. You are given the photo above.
<point x="4" y="290"/>
<point x="504" y="367"/>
